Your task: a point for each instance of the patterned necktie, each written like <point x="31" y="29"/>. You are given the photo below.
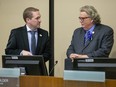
<point x="88" y="37"/>
<point x="33" y="42"/>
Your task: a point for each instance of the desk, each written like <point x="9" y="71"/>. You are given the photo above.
<point x="41" y="81"/>
<point x="76" y="78"/>
<point x="46" y="81"/>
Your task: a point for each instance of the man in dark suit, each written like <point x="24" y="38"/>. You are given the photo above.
<point x="20" y="41"/>
<point x="93" y="39"/>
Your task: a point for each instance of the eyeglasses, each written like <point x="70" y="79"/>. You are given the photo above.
<point x="83" y="18"/>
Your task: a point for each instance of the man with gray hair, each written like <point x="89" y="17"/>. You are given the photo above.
<point x="93" y="39"/>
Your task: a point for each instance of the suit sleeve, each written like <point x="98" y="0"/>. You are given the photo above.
<point x="11" y="48"/>
<point x="70" y="48"/>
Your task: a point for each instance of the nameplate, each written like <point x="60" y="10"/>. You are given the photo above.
<point x="9" y="72"/>
<point x="93" y="76"/>
<point x="9" y="77"/>
<point x="9" y="82"/>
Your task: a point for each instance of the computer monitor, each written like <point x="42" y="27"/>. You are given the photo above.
<point x="29" y="65"/>
<point x="108" y="65"/>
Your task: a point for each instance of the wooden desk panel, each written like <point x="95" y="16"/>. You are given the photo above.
<point x="110" y="83"/>
<point x="40" y="81"/>
<point x="48" y="81"/>
<point x="69" y="83"/>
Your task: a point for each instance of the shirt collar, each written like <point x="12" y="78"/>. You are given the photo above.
<point x="92" y="28"/>
<point x="29" y="29"/>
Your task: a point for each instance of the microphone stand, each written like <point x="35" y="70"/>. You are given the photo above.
<point x="53" y="68"/>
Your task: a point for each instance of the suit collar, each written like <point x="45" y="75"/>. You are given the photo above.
<point x="25" y="38"/>
<point x="39" y="41"/>
<point x="82" y="33"/>
<point x="95" y="31"/>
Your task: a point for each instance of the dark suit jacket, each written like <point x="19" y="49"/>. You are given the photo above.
<point x="18" y="41"/>
<point x="99" y="46"/>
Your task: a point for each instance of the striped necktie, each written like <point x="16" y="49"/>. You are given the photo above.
<point x="33" y="42"/>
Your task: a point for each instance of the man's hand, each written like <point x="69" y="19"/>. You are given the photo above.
<point x="24" y="52"/>
<point x="73" y="55"/>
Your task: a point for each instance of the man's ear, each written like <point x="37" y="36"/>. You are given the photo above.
<point x="27" y="19"/>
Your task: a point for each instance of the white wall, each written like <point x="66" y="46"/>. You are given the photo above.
<point x="66" y="20"/>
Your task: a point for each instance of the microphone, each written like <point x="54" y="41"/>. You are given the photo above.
<point x="53" y="67"/>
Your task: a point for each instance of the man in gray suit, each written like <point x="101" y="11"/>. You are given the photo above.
<point x="93" y="39"/>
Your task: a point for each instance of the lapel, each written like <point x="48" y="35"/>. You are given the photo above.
<point x="87" y="42"/>
<point x="80" y="40"/>
<point x="25" y="38"/>
<point x="39" y="41"/>
<point x="95" y="31"/>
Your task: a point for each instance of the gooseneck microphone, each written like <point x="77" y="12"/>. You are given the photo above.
<point x="53" y="68"/>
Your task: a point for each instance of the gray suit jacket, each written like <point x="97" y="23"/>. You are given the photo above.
<point x="99" y="46"/>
